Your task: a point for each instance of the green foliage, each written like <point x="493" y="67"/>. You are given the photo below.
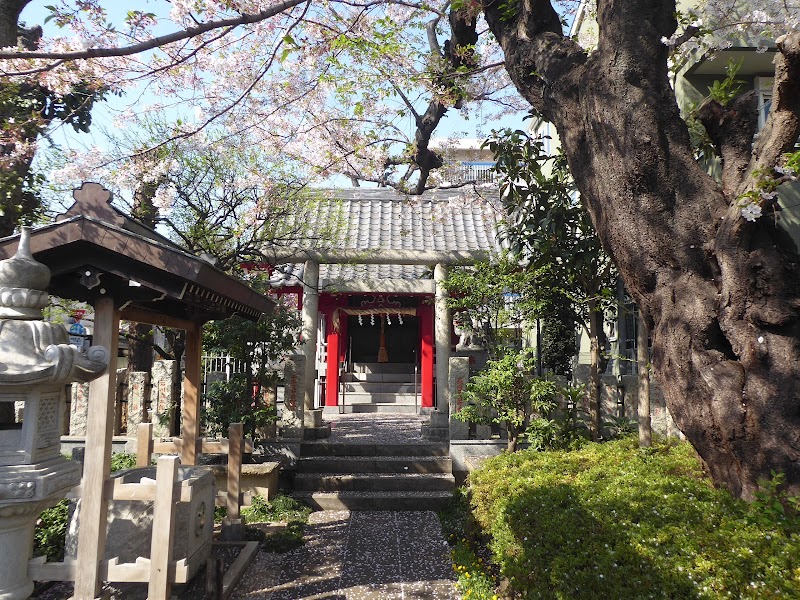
<point x="506" y="393"/>
<point x="562" y="427"/>
<point x="629" y="523"/>
<point x="259" y="346"/>
<point x="283" y="509"/>
<point x="495" y="297"/>
<point x="122" y="460"/>
<point x="774" y="507"/>
<point x="468" y="550"/>
<point x="232" y="402"/>
<point x="548" y="227"/>
<point x="50" y="532"/>
<point x="558" y="340"/>
<point x="726" y="90"/>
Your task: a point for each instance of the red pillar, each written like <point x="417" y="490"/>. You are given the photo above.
<point x="332" y="363"/>
<point x="425" y="314"/>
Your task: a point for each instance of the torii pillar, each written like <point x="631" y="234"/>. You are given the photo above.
<point x="310" y="316"/>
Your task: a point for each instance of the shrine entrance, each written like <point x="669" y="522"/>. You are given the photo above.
<point x="383" y="340"/>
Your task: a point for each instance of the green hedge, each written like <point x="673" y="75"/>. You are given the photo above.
<point x="615" y="521"/>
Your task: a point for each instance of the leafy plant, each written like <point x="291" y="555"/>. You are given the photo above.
<point x="232" y="402"/>
<point x="633" y="523"/>
<point x="726" y="90"/>
<point x="50" y="532"/>
<point x="619" y="426"/>
<point x="506" y="393"/>
<point x="122" y="460"/>
<point x="281" y="509"/>
<point x="772" y="506"/>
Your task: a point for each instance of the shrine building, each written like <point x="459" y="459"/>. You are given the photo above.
<point x="375" y="322"/>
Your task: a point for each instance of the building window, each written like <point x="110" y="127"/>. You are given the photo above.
<point x="763" y="87"/>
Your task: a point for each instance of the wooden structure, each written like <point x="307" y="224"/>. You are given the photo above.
<point x="98" y="255"/>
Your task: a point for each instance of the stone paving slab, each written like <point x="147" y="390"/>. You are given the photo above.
<point x="357" y="555"/>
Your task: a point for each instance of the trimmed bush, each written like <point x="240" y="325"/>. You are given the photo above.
<point x="615" y="521"/>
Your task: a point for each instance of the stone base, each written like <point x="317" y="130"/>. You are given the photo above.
<point x="312" y="418"/>
<point x="232" y="530"/>
<point x="317" y="433"/>
<point x="437" y="434"/>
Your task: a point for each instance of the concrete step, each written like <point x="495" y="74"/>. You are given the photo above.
<point x="382" y="387"/>
<point x="381" y="398"/>
<point x="348" y="500"/>
<point x="374" y="464"/>
<point x="374" y="482"/>
<point x="383" y="368"/>
<point x="379" y="407"/>
<point x="326" y="448"/>
<point x="381" y="377"/>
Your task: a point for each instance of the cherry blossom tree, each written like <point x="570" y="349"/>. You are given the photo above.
<point x="329" y="84"/>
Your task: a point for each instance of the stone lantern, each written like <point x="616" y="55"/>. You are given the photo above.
<point x="36" y="363"/>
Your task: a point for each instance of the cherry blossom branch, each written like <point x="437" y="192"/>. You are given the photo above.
<point x="156" y="42"/>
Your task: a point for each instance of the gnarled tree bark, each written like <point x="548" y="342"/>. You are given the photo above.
<point x="719" y="294"/>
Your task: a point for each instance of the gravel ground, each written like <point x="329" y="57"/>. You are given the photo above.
<point x="358" y="555"/>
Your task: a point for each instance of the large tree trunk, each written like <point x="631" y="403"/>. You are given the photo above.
<point x="719" y="293"/>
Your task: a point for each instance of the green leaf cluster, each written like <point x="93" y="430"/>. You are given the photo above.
<point x="617" y="521"/>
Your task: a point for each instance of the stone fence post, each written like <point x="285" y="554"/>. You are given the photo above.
<point x="457" y="382"/>
<point x="162" y="397"/>
<point x="293" y="395"/>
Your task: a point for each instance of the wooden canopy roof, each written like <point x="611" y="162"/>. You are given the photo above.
<point x="94" y="250"/>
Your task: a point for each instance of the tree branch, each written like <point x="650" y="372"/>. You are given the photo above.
<point x="187" y="33"/>
<point x="731" y="129"/>
<point x="783" y="125"/>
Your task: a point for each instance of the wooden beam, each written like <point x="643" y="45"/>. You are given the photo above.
<point x="97" y="461"/>
<point x="138" y="315"/>
<point x="190" y="424"/>
<point x="144" y="444"/>
<point x="163" y="537"/>
<point x="235" y="437"/>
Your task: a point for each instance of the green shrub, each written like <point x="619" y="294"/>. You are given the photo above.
<point x="612" y="520"/>
<point x="281" y="508"/>
<point x="475" y="577"/>
<point x="51" y="531"/>
<point x="122" y="460"/>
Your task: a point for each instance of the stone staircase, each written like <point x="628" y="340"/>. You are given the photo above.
<point x="374" y="476"/>
<point x="381" y="387"/>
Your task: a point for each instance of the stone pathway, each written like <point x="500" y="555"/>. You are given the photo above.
<point x="358" y="555"/>
<point x="375" y="428"/>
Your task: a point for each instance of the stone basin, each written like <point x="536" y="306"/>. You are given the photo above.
<point x="130" y="522"/>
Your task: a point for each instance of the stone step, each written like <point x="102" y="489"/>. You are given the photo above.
<point x="381" y="377"/>
<point x="381" y="398"/>
<point x="382" y="387"/>
<point x="379" y="407"/>
<point x="374" y="464"/>
<point x="374" y="482"/>
<point x="325" y="448"/>
<point x="383" y="368"/>
<point x="348" y="500"/>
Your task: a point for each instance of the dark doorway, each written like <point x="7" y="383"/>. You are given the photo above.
<point x="402" y="339"/>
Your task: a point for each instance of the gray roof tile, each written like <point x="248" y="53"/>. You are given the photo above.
<point x="443" y="220"/>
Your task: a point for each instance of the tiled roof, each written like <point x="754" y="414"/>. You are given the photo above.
<point x="372" y="219"/>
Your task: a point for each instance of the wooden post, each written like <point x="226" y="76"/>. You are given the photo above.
<point x="97" y="461"/>
<point x="144" y="444"/>
<point x="190" y="423"/>
<point x="235" y="438"/>
<point x="163" y="528"/>
<point x="643" y="363"/>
